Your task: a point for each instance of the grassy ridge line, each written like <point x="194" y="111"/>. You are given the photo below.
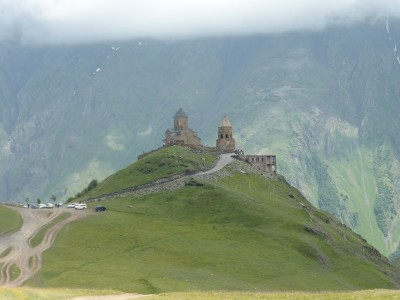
<point x="10" y="220"/>
<point x="164" y="163"/>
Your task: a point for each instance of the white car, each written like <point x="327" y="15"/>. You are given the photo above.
<point x="49" y="205"/>
<point x="72" y="205"/>
<point x="80" y="206"/>
<point x="42" y="205"/>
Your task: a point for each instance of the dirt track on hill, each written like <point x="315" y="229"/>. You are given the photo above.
<point x="20" y="254"/>
<point x="163" y="184"/>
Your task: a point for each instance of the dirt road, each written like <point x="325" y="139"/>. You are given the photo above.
<point x="15" y="249"/>
<point x="224" y="159"/>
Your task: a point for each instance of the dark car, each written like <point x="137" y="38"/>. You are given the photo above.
<point x="100" y="208"/>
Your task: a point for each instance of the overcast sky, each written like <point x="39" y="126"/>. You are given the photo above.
<point x="76" y="21"/>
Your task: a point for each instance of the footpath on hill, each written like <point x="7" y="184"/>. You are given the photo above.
<point x="19" y="261"/>
<point x="163" y="184"/>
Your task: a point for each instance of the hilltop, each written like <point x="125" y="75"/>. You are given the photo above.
<point x="231" y="230"/>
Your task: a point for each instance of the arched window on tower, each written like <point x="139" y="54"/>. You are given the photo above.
<point x="226" y="135"/>
<point x="222" y="136"/>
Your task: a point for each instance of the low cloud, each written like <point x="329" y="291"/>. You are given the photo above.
<point x="77" y="21"/>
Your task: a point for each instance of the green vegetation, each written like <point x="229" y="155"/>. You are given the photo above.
<point x="87" y="189"/>
<point x="240" y="232"/>
<point x="15" y="272"/>
<point x="37" y="239"/>
<point x="67" y="294"/>
<point x="5" y="252"/>
<point x="10" y="220"/>
<point x="49" y="294"/>
<point x="329" y="198"/>
<point x="362" y="295"/>
<point x="31" y="261"/>
<point x="385" y="206"/>
<point x="163" y="163"/>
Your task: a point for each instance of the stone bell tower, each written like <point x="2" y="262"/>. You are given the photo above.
<point x="225" y="141"/>
<point x="181" y="120"/>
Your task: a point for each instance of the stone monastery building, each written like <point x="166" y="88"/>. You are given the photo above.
<point x="182" y="135"/>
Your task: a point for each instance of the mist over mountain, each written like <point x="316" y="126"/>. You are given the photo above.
<point x="326" y="103"/>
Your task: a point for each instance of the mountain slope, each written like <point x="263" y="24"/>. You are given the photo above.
<point x="236" y="231"/>
<point x="326" y="102"/>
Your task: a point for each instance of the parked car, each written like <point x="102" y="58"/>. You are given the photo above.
<point x="71" y="205"/>
<point x="49" y="205"/>
<point x="42" y="205"/>
<point x="80" y="206"/>
<point x="100" y="208"/>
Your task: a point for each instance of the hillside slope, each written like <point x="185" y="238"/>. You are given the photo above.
<point x="326" y="102"/>
<point x="233" y="231"/>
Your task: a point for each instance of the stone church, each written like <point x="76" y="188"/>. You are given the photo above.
<point x="181" y="134"/>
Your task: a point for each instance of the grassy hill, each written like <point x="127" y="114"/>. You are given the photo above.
<point x="10" y="220"/>
<point x="237" y="231"/>
<point x="163" y="163"/>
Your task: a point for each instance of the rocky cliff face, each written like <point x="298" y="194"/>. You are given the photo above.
<point x="326" y="103"/>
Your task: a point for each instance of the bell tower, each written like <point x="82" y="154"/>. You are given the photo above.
<point x="181" y="120"/>
<point x="225" y="141"/>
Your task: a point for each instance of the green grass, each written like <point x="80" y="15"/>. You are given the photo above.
<point x="38" y="238"/>
<point x="10" y="220"/>
<point x="15" y="272"/>
<point x="49" y="294"/>
<point x="163" y="163"/>
<point x="359" y="295"/>
<point x="5" y="252"/>
<point x="238" y="233"/>
<point x="64" y="294"/>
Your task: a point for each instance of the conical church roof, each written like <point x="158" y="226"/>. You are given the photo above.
<point x="225" y="122"/>
<point x="181" y="113"/>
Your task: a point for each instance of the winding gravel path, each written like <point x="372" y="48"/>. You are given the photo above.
<point x="21" y="254"/>
<point x="224" y="159"/>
